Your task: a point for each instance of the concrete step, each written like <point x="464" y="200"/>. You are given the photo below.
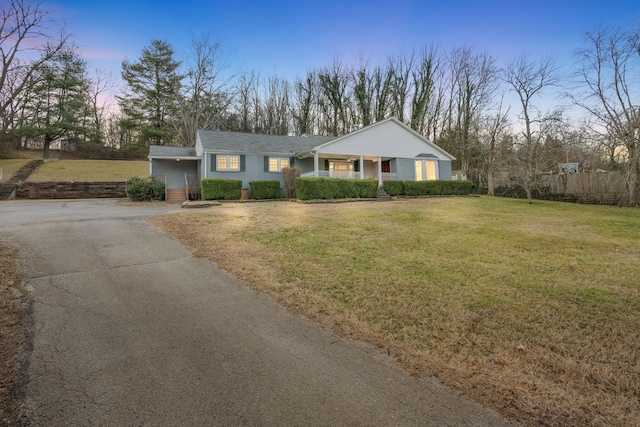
<point x="5" y="190"/>
<point x="22" y="174"/>
<point x="175" y="196"/>
<point x="383" y="195"/>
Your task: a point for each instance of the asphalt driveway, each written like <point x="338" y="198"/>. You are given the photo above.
<point x="130" y="329"/>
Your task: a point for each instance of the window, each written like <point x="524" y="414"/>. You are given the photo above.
<point x="340" y="169"/>
<point x="277" y="163"/>
<point x="227" y="163"/>
<point x="426" y="170"/>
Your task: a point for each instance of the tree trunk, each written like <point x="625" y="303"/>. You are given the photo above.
<point x="490" y="182"/>
<point x="529" y="198"/>
<point x="634" y="175"/>
<point x="47" y="145"/>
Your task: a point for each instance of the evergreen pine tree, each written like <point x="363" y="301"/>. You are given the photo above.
<point x="149" y="105"/>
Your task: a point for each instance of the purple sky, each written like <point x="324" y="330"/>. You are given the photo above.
<point x="289" y="38"/>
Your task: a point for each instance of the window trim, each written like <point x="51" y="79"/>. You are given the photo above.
<point x="423" y="173"/>
<point x="227" y="167"/>
<point x="279" y="165"/>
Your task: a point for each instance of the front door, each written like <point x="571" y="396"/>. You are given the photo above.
<point x="386" y="166"/>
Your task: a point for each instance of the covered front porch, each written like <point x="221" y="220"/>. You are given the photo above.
<point x="353" y="167"/>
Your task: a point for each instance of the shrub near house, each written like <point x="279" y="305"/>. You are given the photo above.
<point x="142" y="189"/>
<point x="333" y="188"/>
<point x="221" y="189"/>
<point x="428" y="188"/>
<point x="265" y="189"/>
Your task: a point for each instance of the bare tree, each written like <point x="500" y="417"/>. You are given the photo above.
<point x="382" y="80"/>
<point x="401" y="66"/>
<point x="244" y="98"/>
<point x="303" y="104"/>
<point x="363" y="93"/>
<point x="203" y="97"/>
<point x="608" y="75"/>
<point x="275" y="109"/>
<point x="333" y="83"/>
<point x="493" y="130"/>
<point x="426" y="102"/>
<point x="28" y="39"/>
<point x="98" y="102"/>
<point x="473" y="83"/>
<point x="528" y="79"/>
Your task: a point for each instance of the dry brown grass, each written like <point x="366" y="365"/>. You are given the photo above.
<point x="90" y="170"/>
<point x="530" y="310"/>
<point x="14" y="333"/>
<point x="11" y="166"/>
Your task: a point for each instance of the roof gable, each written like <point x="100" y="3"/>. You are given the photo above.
<point x="387" y="138"/>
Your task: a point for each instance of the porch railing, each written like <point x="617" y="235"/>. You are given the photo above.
<point x="333" y="174"/>
<point x="386" y="176"/>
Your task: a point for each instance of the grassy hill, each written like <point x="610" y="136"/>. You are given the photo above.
<point x="90" y="170"/>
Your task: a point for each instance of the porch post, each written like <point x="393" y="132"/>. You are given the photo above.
<point x="315" y="164"/>
<point x="379" y="170"/>
<point x="361" y="167"/>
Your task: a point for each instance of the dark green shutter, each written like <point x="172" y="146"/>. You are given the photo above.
<point x="266" y="163"/>
<point x="213" y="162"/>
<point x="291" y="161"/>
<point x="326" y="165"/>
<point x="356" y="165"/>
<point x="242" y="161"/>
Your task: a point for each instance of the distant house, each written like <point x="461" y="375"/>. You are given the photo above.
<point x="568" y="167"/>
<point x="384" y="150"/>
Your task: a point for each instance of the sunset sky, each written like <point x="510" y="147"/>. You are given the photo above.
<point x="287" y="38"/>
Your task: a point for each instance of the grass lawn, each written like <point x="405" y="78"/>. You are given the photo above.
<point x="532" y="310"/>
<point x="11" y="166"/>
<point x="90" y="170"/>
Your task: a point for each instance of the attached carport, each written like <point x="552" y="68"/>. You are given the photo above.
<point x="179" y="169"/>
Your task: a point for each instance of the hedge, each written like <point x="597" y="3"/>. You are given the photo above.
<point x="140" y="189"/>
<point x="437" y="188"/>
<point x="267" y="189"/>
<point x="333" y="188"/>
<point x="393" y="187"/>
<point x="221" y="189"/>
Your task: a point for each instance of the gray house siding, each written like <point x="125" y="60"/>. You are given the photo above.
<point x="174" y="171"/>
<point x="444" y="169"/>
<point x="252" y="168"/>
<point x="305" y="165"/>
<point x="406" y="169"/>
<point x="393" y="163"/>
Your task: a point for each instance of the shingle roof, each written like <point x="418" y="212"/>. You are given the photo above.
<point x="170" y="151"/>
<point x="253" y="143"/>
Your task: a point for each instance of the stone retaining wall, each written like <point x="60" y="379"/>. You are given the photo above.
<point x="70" y="190"/>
